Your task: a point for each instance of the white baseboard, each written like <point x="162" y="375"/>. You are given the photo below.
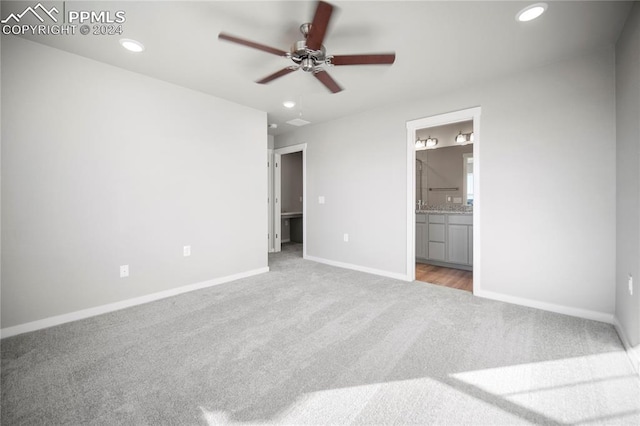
<point x="373" y="271"/>
<point x="551" y="307"/>
<point x="633" y="353"/>
<point x="103" y="309"/>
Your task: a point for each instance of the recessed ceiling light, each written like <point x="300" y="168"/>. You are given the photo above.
<point x="289" y="104"/>
<point x="531" y="12"/>
<point x="132" y="45"/>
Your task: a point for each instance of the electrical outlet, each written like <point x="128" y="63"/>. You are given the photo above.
<point x="186" y="251"/>
<point x="630" y="285"/>
<point x="346" y="238"/>
<point x="124" y="271"/>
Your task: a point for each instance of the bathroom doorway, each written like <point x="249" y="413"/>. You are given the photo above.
<point x="443" y="232"/>
<point x="289" y="195"/>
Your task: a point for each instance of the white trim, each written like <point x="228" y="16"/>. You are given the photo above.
<point x="632" y="353"/>
<point x="270" y="198"/>
<point x="111" y="307"/>
<point x="433" y="121"/>
<point x="411" y="200"/>
<point x="276" y="216"/>
<point x="373" y="271"/>
<point x="550" y="307"/>
<point x="277" y="207"/>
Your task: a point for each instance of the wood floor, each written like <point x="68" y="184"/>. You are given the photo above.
<point x="447" y="277"/>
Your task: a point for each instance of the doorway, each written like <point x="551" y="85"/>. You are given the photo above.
<point x="443" y="231"/>
<point x="289" y="200"/>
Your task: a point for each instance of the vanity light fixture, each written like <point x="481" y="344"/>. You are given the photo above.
<point x="426" y="143"/>
<point x="464" y="137"/>
<point x="289" y="104"/>
<point x="132" y="45"/>
<point x="531" y="12"/>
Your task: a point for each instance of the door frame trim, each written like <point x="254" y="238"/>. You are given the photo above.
<point x="432" y="121"/>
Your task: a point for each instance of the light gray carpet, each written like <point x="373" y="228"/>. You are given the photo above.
<point x="310" y="343"/>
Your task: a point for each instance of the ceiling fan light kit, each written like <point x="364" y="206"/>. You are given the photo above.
<point x="310" y="55"/>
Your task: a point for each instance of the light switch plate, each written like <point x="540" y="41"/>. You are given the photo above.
<point x="321" y="199"/>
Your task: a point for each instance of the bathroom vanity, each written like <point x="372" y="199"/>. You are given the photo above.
<point x="445" y="238"/>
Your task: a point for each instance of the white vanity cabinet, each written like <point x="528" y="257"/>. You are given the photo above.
<point x="445" y="239"/>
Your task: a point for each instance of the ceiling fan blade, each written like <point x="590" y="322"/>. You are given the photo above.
<point x="329" y="82"/>
<point x="275" y="75"/>
<point x="319" y="25"/>
<point x="373" y="59"/>
<point x="233" y="39"/>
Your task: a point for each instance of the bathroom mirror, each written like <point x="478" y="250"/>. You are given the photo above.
<point x="444" y="170"/>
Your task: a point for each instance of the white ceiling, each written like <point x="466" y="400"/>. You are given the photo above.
<point x="439" y="46"/>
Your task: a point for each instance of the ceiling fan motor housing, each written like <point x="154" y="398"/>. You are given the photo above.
<point x="307" y="59"/>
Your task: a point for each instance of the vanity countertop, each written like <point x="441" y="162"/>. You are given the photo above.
<point x="435" y="211"/>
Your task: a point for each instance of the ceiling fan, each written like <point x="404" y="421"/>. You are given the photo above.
<point x="310" y="55"/>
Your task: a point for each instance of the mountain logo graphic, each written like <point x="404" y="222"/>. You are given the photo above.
<point x="33" y="11"/>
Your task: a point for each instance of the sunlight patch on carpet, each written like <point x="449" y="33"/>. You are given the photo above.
<point x="561" y="392"/>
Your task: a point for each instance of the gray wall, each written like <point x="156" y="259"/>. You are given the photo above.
<point x="547" y="159"/>
<point x="103" y="167"/>
<point x="291" y="182"/>
<point x="628" y="177"/>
